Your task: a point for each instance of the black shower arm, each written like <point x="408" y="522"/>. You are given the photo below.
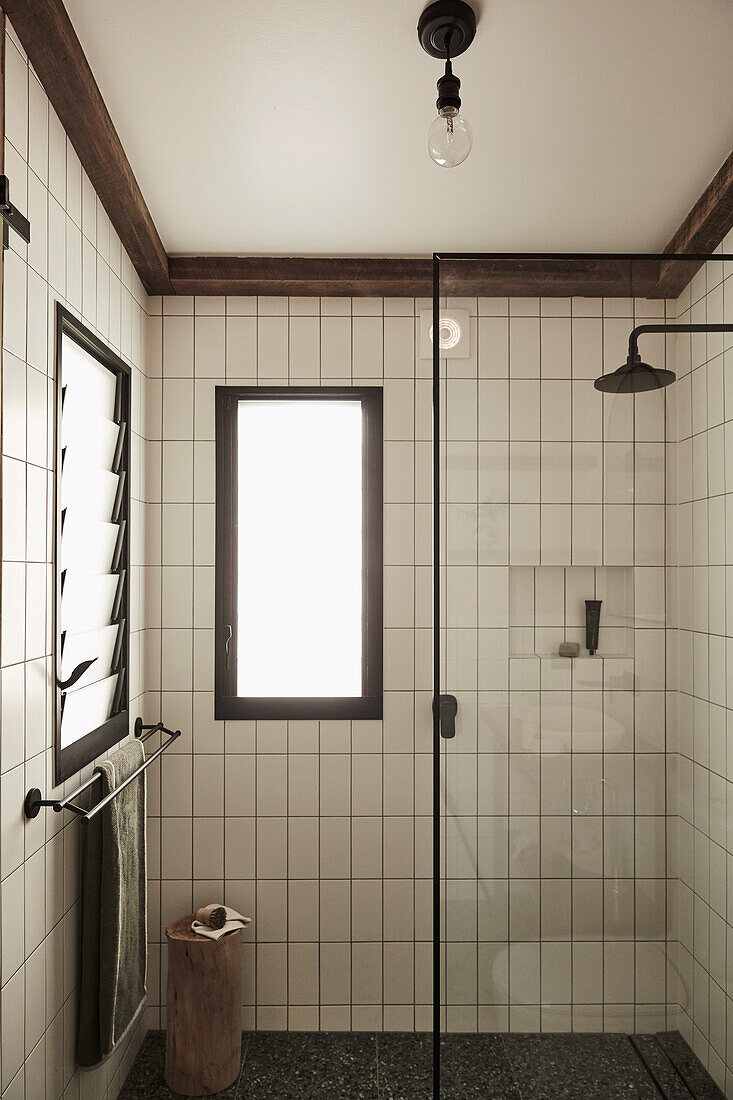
<point x="641" y="329"/>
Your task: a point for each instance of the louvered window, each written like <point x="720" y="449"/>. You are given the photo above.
<point x="91" y="563"/>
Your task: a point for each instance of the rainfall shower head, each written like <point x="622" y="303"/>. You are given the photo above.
<point x="634" y="377"/>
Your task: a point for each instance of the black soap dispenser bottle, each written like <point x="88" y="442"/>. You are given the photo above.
<point x="592" y="623"/>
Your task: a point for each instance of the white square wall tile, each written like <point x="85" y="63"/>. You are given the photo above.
<point x="241" y="348"/>
<point x="16" y="99"/>
<point x="272" y="348"/>
<point x="304" y="348"/>
<point x="335" y="347"/>
<point x="399" y="347"/>
<point x="555" y="410"/>
<point x="13" y="706"/>
<point x="178" y="347"/>
<point x="524" y="534"/>
<point x="524" y="337"/>
<point x="493" y="347"/>
<point x="37" y="130"/>
<point x="209" y="346"/>
<point x="524" y="410"/>
<point x="211" y="305"/>
<point x="14" y="510"/>
<point x="178" y="472"/>
<point x="14" y="303"/>
<point x="555" y="347"/>
<point x="177" y="408"/>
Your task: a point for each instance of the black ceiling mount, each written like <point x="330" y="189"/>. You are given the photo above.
<point x="447" y="22"/>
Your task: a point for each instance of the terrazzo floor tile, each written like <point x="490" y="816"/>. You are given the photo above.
<point x="146" y="1080"/>
<point x="471" y="1066"/>
<point x="305" y="1065"/>
<point x="398" y="1066"/>
<point x="405" y="1064"/>
<point x="476" y="1066"/>
<point x="578" y="1067"/>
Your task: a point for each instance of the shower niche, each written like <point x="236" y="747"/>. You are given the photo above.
<point x="547" y="606"/>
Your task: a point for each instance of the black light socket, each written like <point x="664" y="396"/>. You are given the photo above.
<point x="448" y="88"/>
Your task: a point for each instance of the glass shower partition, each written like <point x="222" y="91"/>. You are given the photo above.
<point x="556" y="757"/>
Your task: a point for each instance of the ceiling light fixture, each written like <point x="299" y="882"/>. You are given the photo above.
<point x="446" y="29"/>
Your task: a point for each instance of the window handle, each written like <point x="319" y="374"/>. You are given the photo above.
<point x="76" y="675"/>
<point x="227" y="643"/>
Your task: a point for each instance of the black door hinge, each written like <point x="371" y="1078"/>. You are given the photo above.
<point x="11" y="215"/>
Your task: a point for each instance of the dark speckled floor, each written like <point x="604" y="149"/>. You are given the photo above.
<point x="280" y="1065"/>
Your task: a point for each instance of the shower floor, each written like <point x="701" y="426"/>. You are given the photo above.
<point x="398" y="1066"/>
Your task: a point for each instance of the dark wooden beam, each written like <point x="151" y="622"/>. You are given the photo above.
<point x="294" y="275"/>
<point x="49" y="39"/>
<point x="377" y="277"/>
<point x="710" y="219"/>
<point x="548" y="277"/>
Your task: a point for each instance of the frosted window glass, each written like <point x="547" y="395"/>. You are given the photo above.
<point x="299" y="596"/>
<point x="97" y="644"/>
<point x="89" y="449"/>
<point x="87" y="491"/>
<point x="91" y="497"/>
<point x="87" y="547"/>
<point x="89" y="389"/>
<point x="87" y="601"/>
<point x="86" y="709"/>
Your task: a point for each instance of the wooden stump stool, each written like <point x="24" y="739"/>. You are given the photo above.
<point x="203" y="1049"/>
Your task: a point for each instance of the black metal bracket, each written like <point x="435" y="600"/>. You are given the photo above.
<point x="11" y="215"/>
<point x="446" y="707"/>
<point x="34" y="801"/>
<point x="140" y="727"/>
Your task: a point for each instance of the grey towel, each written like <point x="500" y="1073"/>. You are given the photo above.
<point x="113" y="919"/>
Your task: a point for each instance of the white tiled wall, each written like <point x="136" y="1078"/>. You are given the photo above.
<point x="700" y="584"/>
<point x="554" y="908"/>
<point x="568" y="866"/>
<point x="320" y="831"/>
<point x="74" y="257"/>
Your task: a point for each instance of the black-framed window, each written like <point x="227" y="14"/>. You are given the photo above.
<point x="298" y="552"/>
<point x="91" y="536"/>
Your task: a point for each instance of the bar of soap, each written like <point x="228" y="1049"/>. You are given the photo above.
<point x="569" y="649"/>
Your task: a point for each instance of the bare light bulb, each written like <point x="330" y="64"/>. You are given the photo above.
<point x="449" y="138"/>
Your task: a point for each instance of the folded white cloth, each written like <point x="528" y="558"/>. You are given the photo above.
<point x="234" y="920"/>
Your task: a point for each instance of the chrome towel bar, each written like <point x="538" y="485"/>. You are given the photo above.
<point x="34" y="801"/>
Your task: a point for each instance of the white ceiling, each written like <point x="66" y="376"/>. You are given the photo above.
<point x="298" y="126"/>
